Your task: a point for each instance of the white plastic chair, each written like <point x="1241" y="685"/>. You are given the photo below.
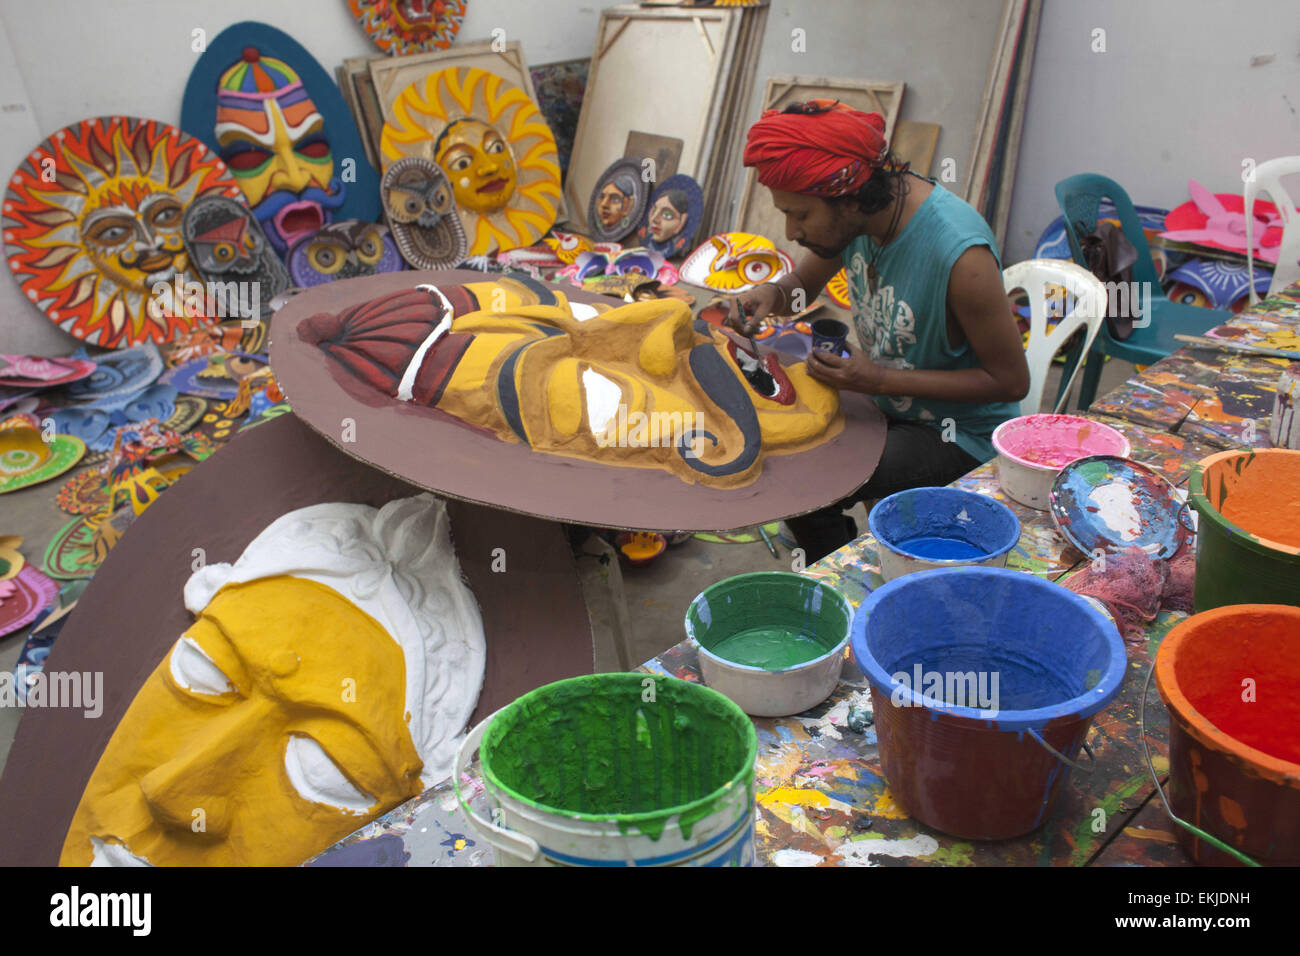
<point x="1268" y="179"/>
<point x="1034" y="276"/>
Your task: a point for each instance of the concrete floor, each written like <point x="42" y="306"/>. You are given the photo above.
<point x="656" y="595"/>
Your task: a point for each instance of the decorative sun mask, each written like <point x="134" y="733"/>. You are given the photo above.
<point x="343" y="250"/>
<point x="494" y="147"/>
<point x="734" y="262"/>
<point x="93" y="225"/>
<point x="422" y="215"/>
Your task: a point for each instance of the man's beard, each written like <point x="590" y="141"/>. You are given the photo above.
<point x="826" y="252"/>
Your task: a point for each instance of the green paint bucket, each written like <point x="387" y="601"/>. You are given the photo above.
<point x="773" y="642"/>
<point x="616" y="770"/>
<point x="1243" y="561"/>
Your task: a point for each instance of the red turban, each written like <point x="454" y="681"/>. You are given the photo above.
<point x="822" y="148"/>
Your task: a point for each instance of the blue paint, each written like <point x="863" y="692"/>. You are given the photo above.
<point x="1106" y="503"/>
<point x="387" y="849"/>
<point x="943" y="549"/>
<point x="947" y="524"/>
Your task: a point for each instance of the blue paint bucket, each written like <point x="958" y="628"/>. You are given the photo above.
<point x="923" y="528"/>
<point x="984" y="683"/>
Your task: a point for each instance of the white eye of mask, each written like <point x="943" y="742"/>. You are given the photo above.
<point x="318" y="778"/>
<point x="603" y="398"/>
<point x="192" y="669"/>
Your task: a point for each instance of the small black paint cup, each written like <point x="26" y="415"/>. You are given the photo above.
<point x="829" y="335"/>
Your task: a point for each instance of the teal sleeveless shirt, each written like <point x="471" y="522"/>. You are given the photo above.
<point x="904" y="325"/>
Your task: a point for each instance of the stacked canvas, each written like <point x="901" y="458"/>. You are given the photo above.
<point x="682" y="72"/>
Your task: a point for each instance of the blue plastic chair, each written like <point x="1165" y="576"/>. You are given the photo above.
<point x="1080" y="198"/>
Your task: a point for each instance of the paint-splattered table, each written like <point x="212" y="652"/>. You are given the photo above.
<point x="822" y="798"/>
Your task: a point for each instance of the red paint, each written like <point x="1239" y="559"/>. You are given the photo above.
<point x="1231" y="680"/>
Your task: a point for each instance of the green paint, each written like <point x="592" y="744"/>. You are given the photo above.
<point x="771" y="648"/>
<point x="623" y="748"/>
<point x="1094" y="472"/>
<point x="773" y="620"/>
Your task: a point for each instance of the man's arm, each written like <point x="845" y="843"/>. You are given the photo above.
<point x="781" y="297"/>
<point x="979" y="304"/>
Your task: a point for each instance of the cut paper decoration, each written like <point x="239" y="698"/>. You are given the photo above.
<point x="329" y="596"/>
<point x="1219" y="221"/>
<point x="518" y="360"/>
<point x="259" y="99"/>
<point x="223" y="337"/>
<point x="734" y="262"/>
<point x="92" y="226"/>
<point x="26" y="460"/>
<point x="1224" y="285"/>
<point x="96" y="426"/>
<point x="343" y="250"/>
<point x="494" y="147"/>
<point x="188" y="413"/>
<point x="618" y="202"/>
<point x="23" y="597"/>
<point x="567" y="246"/>
<point x="673" y="216"/>
<point x="422" y="214"/>
<point x="118" y="375"/>
<point x="229" y="250"/>
<point x="627" y="262"/>
<point x="45" y="629"/>
<point x="214" y="376"/>
<point x="35" y="371"/>
<point x="82" y="544"/>
<point x="403" y="27"/>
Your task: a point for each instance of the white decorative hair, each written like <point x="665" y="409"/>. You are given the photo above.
<point x="396" y="563"/>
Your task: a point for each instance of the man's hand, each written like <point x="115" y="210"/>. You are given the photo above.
<point x="747" y="310"/>
<point x="856" y="373"/>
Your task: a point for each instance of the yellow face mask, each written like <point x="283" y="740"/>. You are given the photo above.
<point x="639" y="385"/>
<point x="478" y="163"/>
<point x="272" y="729"/>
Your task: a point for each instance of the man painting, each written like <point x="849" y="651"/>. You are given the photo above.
<point x="940" y="352"/>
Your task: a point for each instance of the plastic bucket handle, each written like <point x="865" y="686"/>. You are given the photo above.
<point x="516" y="844"/>
<point x="1091" y="768"/>
<point x="1208" y="838"/>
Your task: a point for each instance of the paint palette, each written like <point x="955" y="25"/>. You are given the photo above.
<point x="1106" y="503"/>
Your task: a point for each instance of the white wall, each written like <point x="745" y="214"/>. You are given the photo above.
<point x="73" y="59"/>
<point x="1173" y="97"/>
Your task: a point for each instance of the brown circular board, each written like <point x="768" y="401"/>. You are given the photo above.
<point x="432" y="449"/>
<point x="132" y="611"/>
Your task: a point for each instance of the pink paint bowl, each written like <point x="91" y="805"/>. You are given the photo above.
<point x="1032" y="450"/>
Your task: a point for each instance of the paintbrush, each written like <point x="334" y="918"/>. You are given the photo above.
<point x="1228" y="345"/>
<point x="767" y="540"/>
<point x="759" y="377"/>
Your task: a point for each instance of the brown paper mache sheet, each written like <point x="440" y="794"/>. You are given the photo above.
<point x="534" y="618"/>
<point x="438" y="452"/>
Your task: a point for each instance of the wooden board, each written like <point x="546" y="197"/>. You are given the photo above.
<point x="666" y="151"/>
<point x="359" y="92"/>
<point x="915" y="143"/>
<point x="757" y="214"/>
<point x="627" y="88"/>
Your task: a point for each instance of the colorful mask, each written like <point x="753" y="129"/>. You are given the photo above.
<point x="494" y="147"/>
<point x="280" y="123"/>
<point x="226" y="245"/>
<point x="673" y="216"/>
<point x="640" y="385"/>
<point x="401" y="27"/>
<point x="326" y="679"/>
<point x="618" y="202"/>
<point x="93" y="226"/>
<point x="422" y="215"/>
<point x="344" y="250"/>
<point x="734" y="262"/>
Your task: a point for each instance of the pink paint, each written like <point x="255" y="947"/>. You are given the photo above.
<point x="1053" y="441"/>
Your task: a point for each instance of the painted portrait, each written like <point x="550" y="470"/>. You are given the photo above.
<point x="618" y="202"/>
<point x="673" y="216"/>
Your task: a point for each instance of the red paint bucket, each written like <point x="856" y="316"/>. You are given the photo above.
<point x="1231" y="680"/>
